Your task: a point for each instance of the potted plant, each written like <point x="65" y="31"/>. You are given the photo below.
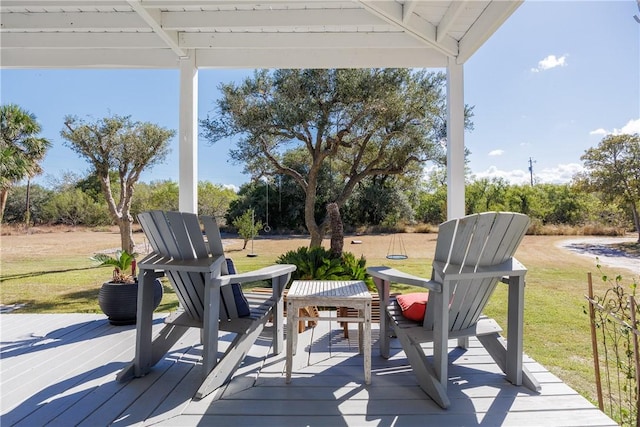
<point x="118" y="298"/>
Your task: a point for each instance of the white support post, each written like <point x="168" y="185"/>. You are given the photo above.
<point x="188" y="135"/>
<point x="455" y="140"/>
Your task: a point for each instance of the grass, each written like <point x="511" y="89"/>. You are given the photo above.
<point x="51" y="272"/>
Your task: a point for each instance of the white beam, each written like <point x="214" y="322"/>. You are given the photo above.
<point x="188" y="136"/>
<point x="419" y="28"/>
<point x="455" y="140"/>
<point x="321" y="58"/>
<point x="153" y="20"/>
<point x="88" y="58"/>
<point x="407" y="10"/>
<point x="72" y="21"/>
<point x="449" y="18"/>
<point x="224" y="58"/>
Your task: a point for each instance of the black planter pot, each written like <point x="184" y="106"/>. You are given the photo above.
<point x="120" y="301"/>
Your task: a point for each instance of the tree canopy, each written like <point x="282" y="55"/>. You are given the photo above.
<point x="613" y="170"/>
<point x="362" y="122"/>
<point x="117" y="143"/>
<point x="21" y="151"/>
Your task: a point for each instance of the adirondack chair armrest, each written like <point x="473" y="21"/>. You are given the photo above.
<point x="155" y="261"/>
<point x="265" y="273"/>
<point x="511" y="267"/>
<point x="397" y="276"/>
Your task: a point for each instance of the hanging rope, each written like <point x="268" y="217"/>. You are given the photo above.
<point x="396" y="249"/>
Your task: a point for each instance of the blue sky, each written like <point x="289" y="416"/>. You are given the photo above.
<point x="551" y="83"/>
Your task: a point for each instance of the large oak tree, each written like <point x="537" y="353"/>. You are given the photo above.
<point x="613" y="170"/>
<point x="118" y="144"/>
<point x="365" y="122"/>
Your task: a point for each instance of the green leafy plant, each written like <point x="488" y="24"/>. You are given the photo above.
<point x="319" y="263"/>
<point x="121" y="262"/>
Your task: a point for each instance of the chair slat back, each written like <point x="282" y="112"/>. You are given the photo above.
<point x="178" y="235"/>
<point x="466" y="244"/>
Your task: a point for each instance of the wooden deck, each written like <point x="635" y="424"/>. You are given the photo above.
<point x="59" y="369"/>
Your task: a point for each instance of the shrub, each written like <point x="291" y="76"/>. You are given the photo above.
<point x="320" y="264"/>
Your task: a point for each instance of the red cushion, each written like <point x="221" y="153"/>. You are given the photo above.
<point x="413" y="305"/>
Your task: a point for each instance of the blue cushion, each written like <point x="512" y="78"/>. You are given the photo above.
<point x="242" y="305"/>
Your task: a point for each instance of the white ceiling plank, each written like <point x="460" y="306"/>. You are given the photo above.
<point x="153" y="20"/>
<point x="452" y="13"/>
<point x="80" y="41"/>
<point x="489" y="21"/>
<point x="296" y="40"/>
<point x="210" y="20"/>
<point x="392" y="13"/>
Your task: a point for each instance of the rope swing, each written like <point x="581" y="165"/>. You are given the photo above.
<point x="396" y="249"/>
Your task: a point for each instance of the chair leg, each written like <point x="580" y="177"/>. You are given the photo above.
<point x="425" y="373"/>
<point x="496" y="349"/>
<point x="162" y="343"/>
<point x="230" y="361"/>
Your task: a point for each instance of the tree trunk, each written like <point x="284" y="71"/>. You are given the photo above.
<point x="636" y="219"/>
<point x="315" y="231"/>
<point x="4" y="193"/>
<point x="337" y="229"/>
<point x="126" y="234"/>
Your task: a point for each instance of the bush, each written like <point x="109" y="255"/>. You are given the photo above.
<point x="74" y="207"/>
<point x="320" y="264"/>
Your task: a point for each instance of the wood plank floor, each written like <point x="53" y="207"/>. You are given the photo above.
<point x="59" y="370"/>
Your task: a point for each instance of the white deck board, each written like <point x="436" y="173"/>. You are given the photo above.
<point x="60" y="370"/>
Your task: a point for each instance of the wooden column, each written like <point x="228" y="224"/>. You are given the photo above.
<point x="188" y="135"/>
<point x="455" y="140"/>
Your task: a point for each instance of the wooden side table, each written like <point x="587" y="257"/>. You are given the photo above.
<point x="332" y="293"/>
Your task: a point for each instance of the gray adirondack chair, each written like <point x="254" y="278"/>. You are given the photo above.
<point x="473" y="254"/>
<point x="210" y="298"/>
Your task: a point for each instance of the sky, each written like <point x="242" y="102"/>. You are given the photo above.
<point x="552" y="82"/>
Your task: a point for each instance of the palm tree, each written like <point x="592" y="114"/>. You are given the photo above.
<point x="20" y="150"/>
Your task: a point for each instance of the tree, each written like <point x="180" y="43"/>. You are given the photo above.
<point x="247" y="227"/>
<point x="20" y="150"/>
<point x="214" y="199"/>
<point x="359" y="122"/>
<point x="613" y="170"/>
<point x="118" y="144"/>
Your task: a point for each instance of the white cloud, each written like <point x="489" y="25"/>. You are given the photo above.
<point x="496" y="152"/>
<point x="550" y="62"/>
<point x="560" y="174"/>
<point x="233" y="187"/>
<point x="632" y="126"/>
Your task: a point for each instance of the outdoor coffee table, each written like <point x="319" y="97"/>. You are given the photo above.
<point x="330" y="293"/>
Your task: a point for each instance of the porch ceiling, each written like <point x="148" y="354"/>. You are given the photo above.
<point x="244" y="34"/>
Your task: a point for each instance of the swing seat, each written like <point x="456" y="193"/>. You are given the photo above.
<point x="398" y="253"/>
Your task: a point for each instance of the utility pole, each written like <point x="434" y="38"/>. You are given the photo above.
<point x="531" y="162"/>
